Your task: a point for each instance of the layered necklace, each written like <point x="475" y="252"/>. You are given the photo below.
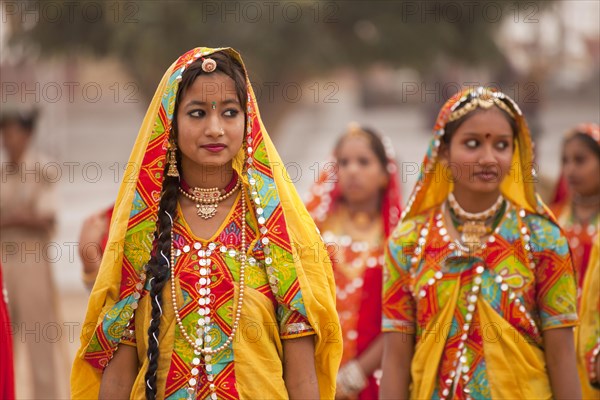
<point x="207" y="200"/>
<point x="473" y="227"/>
<point x="202" y="340"/>
<point x="580" y="222"/>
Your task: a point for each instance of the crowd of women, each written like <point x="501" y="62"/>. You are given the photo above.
<point x="218" y="282"/>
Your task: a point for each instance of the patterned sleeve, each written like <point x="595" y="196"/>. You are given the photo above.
<point x="128" y="337"/>
<point x="556" y="289"/>
<point x="290" y="312"/>
<point x="398" y="302"/>
<point x="116" y="319"/>
<point x="292" y="324"/>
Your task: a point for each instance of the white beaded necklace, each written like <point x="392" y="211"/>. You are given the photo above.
<point x="193" y="343"/>
<point x="200" y="344"/>
<point x="461" y="213"/>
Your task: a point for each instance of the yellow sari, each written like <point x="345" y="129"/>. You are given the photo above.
<point x="588" y="333"/>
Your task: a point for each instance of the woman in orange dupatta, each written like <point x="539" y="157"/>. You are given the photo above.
<point x="356" y="203"/>
<point x="479" y="292"/>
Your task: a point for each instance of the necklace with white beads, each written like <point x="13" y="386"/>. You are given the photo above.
<point x="200" y="344"/>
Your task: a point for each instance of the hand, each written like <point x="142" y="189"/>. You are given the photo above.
<point x="93" y="230"/>
<point x="15" y="219"/>
<point x="27" y="219"/>
<point x="341" y="391"/>
<point x="90" y="241"/>
<point x="350" y="381"/>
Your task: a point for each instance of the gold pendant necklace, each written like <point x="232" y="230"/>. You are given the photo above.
<point x="207" y="200"/>
<point x="474" y="227"/>
<point x="207" y="207"/>
<point x="206" y="211"/>
<point x="473" y="232"/>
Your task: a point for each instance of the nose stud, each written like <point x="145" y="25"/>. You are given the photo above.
<point x="222" y="132"/>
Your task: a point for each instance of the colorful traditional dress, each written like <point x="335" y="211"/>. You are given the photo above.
<point x="478" y="314"/>
<point x="357" y="262"/>
<point x="581" y="236"/>
<point x="288" y="292"/>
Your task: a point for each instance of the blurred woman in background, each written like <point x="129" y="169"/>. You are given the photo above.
<point x="356" y="203"/>
<point x="577" y="196"/>
<point x="577" y="208"/>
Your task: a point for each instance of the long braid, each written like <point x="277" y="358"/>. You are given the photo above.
<point x="158" y="269"/>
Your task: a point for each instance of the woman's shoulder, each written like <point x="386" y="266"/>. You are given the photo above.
<point x="544" y="231"/>
<point x="538" y="222"/>
<point x="408" y="229"/>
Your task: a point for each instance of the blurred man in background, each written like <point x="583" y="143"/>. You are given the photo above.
<point x="27" y="221"/>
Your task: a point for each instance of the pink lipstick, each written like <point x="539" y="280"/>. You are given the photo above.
<point x="214" y="147"/>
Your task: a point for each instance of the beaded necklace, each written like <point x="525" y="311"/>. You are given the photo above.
<point x="201" y="343"/>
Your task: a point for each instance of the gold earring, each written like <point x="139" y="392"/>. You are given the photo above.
<point x="172" y="160"/>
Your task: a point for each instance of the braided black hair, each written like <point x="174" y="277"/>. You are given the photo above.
<point x="158" y="269"/>
<point x="158" y="266"/>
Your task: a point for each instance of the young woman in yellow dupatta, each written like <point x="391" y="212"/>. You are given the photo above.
<point x="210" y="287"/>
<point x="479" y="292"/>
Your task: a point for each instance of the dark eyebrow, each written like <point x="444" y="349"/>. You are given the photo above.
<point x="204" y="103"/>
<point x="477" y="134"/>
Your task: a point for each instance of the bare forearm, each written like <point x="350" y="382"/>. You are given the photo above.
<point x="90" y="259"/>
<point x="370" y="359"/>
<point x="45" y="224"/>
<point x="299" y="372"/>
<point x="561" y="363"/>
<point x="397" y="356"/>
<point x="119" y="375"/>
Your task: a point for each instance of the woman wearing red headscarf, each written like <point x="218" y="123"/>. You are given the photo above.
<point x="577" y="198"/>
<point x="577" y="207"/>
<point x="356" y="203"/>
